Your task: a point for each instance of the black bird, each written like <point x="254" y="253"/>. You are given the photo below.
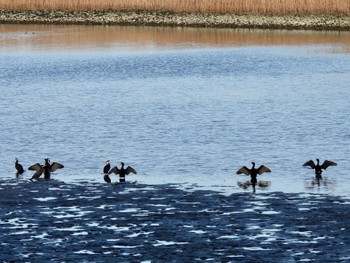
<point x="45" y="169"/>
<point x="122" y="172"/>
<point x="106" y="169"/>
<point x="253" y="172"/>
<point x="19" y="168"/>
<point x="318" y="168"/>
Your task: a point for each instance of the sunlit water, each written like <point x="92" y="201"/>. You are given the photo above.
<point x="178" y="111"/>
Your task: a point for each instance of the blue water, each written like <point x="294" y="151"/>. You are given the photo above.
<point x="192" y="115"/>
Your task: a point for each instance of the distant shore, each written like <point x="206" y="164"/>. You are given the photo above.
<point x="163" y="18"/>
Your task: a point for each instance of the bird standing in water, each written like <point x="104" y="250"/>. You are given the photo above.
<point x="45" y="169"/>
<point x="122" y="171"/>
<point x="106" y="169"/>
<point x="253" y="172"/>
<point x="19" y="168"/>
<point x="318" y="168"/>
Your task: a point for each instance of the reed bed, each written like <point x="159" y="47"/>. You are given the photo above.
<point x="191" y="6"/>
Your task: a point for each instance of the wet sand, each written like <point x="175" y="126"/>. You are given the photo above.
<point x="162" y="18"/>
<point x="94" y="222"/>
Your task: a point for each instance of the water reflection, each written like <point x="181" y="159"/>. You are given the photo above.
<point x="261" y="184"/>
<point x="33" y="37"/>
<point x="320" y="183"/>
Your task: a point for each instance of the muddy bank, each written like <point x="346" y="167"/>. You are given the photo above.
<point x="95" y="222"/>
<point x="160" y="18"/>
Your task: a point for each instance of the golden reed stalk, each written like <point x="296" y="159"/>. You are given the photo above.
<point x="192" y="6"/>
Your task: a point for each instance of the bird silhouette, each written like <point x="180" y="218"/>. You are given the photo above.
<point x="19" y="168"/>
<point x="106" y="169"/>
<point x="122" y="171"/>
<point x="253" y="172"/>
<point x="45" y="169"/>
<point x="318" y="168"/>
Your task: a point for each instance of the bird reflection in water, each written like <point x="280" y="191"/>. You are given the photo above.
<point x="261" y="183"/>
<point x="318" y="182"/>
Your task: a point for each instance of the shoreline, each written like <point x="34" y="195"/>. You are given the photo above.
<point x="164" y="18"/>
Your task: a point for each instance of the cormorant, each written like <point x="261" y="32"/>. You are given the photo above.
<point x="253" y="172"/>
<point x="122" y="172"/>
<point x="45" y="169"/>
<point x="106" y="169"/>
<point x="318" y="168"/>
<point x="19" y="168"/>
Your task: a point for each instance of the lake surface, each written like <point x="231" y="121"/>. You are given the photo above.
<point x="188" y="106"/>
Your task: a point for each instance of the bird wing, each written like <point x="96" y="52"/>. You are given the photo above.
<point x="310" y="163"/>
<point x="327" y="163"/>
<point x="243" y="170"/>
<point x="37" y="174"/>
<point x="55" y="166"/>
<point x="129" y="169"/>
<point x="263" y="169"/>
<point x="114" y="170"/>
<point x="36" y="167"/>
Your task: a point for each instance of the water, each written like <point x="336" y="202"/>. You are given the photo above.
<point x="178" y="109"/>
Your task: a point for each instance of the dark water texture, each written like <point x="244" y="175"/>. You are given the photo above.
<point x="92" y="222"/>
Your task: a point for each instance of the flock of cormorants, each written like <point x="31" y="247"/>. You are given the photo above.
<point x="47" y="168"/>
<point x="254" y="172"/>
<point x="122" y="172"/>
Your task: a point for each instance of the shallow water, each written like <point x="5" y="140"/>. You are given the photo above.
<point x="179" y="105"/>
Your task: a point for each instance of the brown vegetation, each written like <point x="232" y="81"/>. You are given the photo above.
<point x="193" y="6"/>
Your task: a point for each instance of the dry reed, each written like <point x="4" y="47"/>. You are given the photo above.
<point x="192" y="6"/>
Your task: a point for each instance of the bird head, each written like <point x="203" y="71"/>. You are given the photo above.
<point x="318" y="161"/>
<point x="253" y="164"/>
<point x="107" y="161"/>
<point x="122" y="163"/>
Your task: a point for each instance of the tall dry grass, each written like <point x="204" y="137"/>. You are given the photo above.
<point x="214" y="6"/>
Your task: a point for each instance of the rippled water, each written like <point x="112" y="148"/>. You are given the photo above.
<point x="183" y="111"/>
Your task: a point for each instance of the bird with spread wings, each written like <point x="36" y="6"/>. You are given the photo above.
<point x="45" y="169"/>
<point x="317" y="167"/>
<point x="253" y="172"/>
<point x="122" y="171"/>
